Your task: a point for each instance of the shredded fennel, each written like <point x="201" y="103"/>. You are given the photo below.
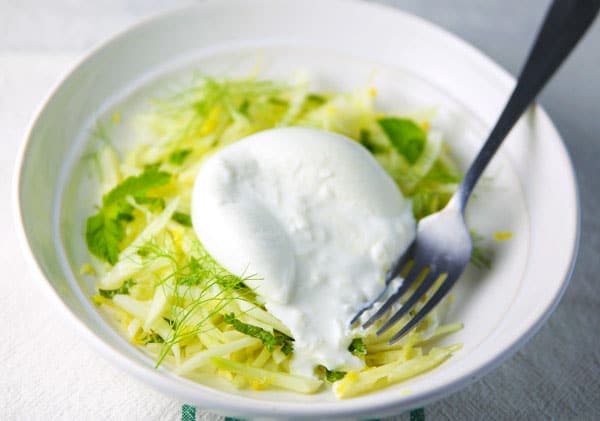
<point x="175" y="301"/>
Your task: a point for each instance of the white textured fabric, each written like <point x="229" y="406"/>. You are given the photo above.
<point x="47" y="373"/>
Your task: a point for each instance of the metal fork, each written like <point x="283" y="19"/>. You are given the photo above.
<point x="442" y="246"/>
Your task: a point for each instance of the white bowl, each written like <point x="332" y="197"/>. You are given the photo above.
<point x="343" y="45"/>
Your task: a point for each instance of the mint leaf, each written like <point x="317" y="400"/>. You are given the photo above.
<point x="136" y="186"/>
<point x="270" y="340"/>
<point x="125" y="215"/>
<point x="153" y="203"/>
<point x="104" y="231"/>
<point x="153" y="337"/>
<point x="287" y="346"/>
<point x="123" y="289"/>
<point x="177" y="157"/>
<point x="172" y="323"/>
<point x="244" y="108"/>
<point x="405" y="136"/>
<point x="316" y="98"/>
<point x="357" y="347"/>
<point x="182" y="218"/>
<point x="481" y="256"/>
<point x="442" y="174"/>
<point x="103" y="235"/>
<point x="334" y="375"/>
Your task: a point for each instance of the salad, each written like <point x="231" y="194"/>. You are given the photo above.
<point x="176" y="302"/>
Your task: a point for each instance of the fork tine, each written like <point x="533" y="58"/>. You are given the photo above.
<point x="369" y="305"/>
<point x="429" y="280"/>
<point x="411" y="277"/>
<point x="433" y="301"/>
<point x="390" y="275"/>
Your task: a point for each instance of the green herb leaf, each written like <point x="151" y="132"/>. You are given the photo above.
<point x="441" y="174"/>
<point x="152" y="167"/>
<point x="153" y="337"/>
<point x="123" y="289"/>
<point x="172" y="323"/>
<point x="103" y="235"/>
<point x="244" y="108"/>
<point x="104" y="231"/>
<point x="316" y="99"/>
<point x="481" y="257"/>
<point x="143" y="251"/>
<point x="178" y="157"/>
<point x="287" y="347"/>
<point x="125" y="215"/>
<point x="136" y="186"/>
<point x="405" y="136"/>
<point x="270" y="340"/>
<point x="357" y="347"/>
<point x="182" y="218"/>
<point x="427" y="201"/>
<point x="154" y="203"/>
<point x="278" y="101"/>
<point x="366" y="140"/>
<point x="334" y="375"/>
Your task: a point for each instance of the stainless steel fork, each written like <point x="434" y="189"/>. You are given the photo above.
<point x="442" y="246"/>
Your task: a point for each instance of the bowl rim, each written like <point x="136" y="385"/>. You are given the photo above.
<point x="250" y="406"/>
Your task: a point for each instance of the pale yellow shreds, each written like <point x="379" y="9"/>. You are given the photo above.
<point x="502" y="235"/>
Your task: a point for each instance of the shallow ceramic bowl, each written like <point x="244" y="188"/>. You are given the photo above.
<point x="342" y="45"/>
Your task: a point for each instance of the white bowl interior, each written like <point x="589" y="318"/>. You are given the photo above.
<point x="413" y="65"/>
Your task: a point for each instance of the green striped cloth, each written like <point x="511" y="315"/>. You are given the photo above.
<point x="189" y="412"/>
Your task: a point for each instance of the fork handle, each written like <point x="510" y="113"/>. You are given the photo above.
<point x="564" y="25"/>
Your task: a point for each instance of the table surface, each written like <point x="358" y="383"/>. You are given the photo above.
<point x="48" y="374"/>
